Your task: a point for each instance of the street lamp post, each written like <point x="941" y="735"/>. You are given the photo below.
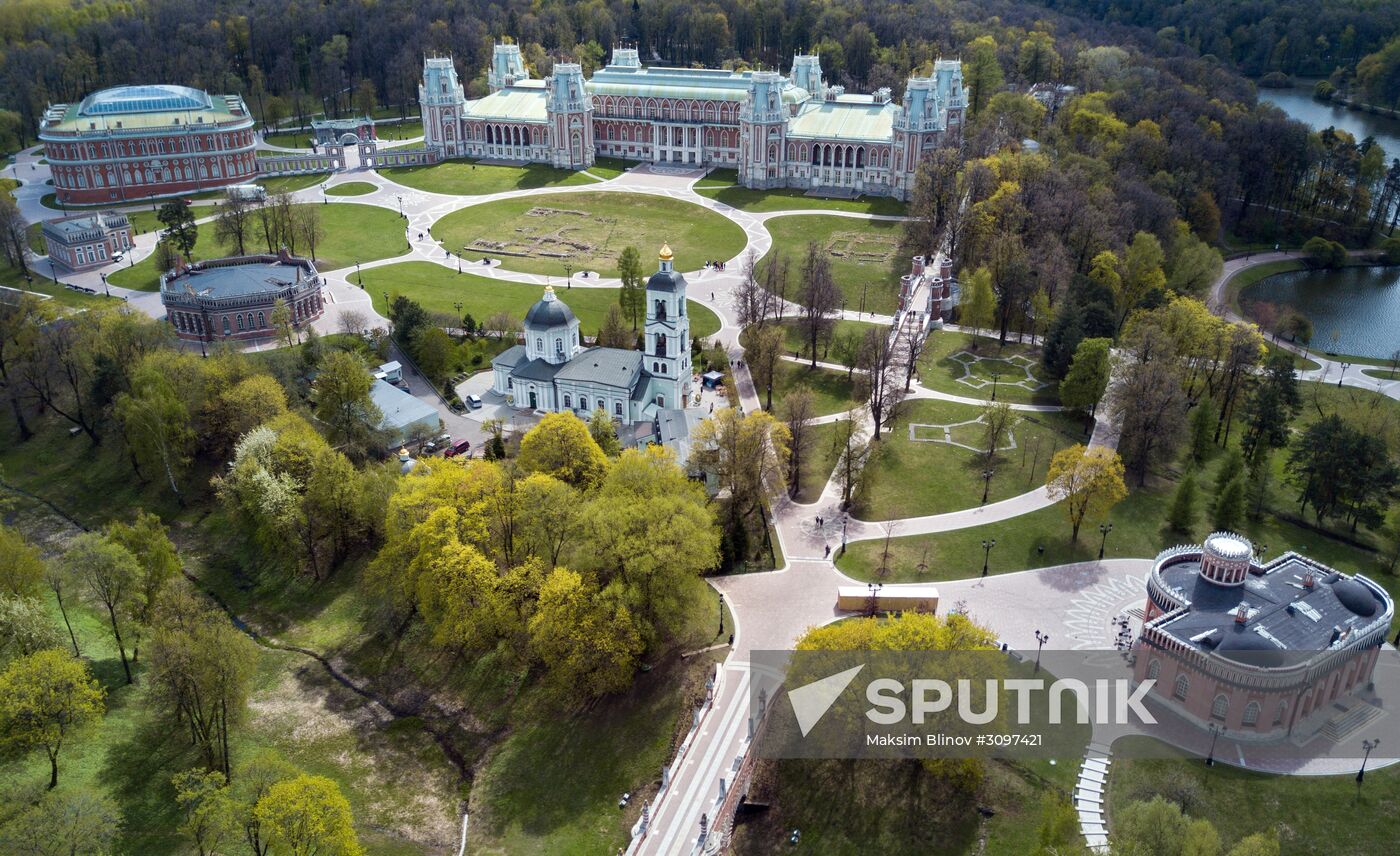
<point x="996" y="377"/>
<point x="1342" y="374"/>
<point x="845" y="516"/>
<point x="568" y="276"/>
<point x="721" y="614"/>
<point x="400" y="199"/>
<point x="1368" y="746"/>
<point x="458" y="306"/>
<point x="987" y="546"/>
<point x="987" y="483"/>
<point x="1040" y="639"/>
<point x="1215" y="732"/>
<point x="359" y="277"/>
<point x="1104" y="529"/>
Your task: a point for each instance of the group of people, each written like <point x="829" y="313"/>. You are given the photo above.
<point x="713" y="265"/>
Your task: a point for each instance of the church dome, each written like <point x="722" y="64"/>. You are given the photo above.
<point x="549" y="311"/>
<point x="666" y="280"/>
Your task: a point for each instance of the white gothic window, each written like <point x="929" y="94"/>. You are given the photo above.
<point x="1182" y="685"/>
<point x="1154" y="669"/>
<point x="1219" y="707"/>
<point x="1251" y="713"/>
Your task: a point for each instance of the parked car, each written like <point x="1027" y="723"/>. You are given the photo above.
<point x="436" y="443"/>
<point x="119" y="256"/>
<point x="473" y="401"/>
<point x="458" y="447"/>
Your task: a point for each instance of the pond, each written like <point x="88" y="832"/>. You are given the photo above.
<point x="1299" y="104"/>
<point x="1359" y="305"/>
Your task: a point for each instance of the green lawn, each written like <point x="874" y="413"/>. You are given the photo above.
<point x="975" y="371"/>
<point x="1312" y="815"/>
<point x="468" y="178"/>
<point x="353" y="233"/>
<point x="1382" y="374"/>
<point x="863" y="255"/>
<point x="539" y="234"/>
<point x="290" y="183"/>
<point x="786" y="199"/>
<point x="906" y="478"/>
<point x="609" y="168"/>
<point x="794" y="340"/>
<point x="821" y="459"/>
<point x="831" y="391"/>
<point x="1139" y="531"/>
<point x="351" y="188"/>
<point x="290" y="140"/>
<point x="400" y="130"/>
<point x="717" y="178"/>
<point x="8" y="185"/>
<point x="437" y="288"/>
<point x="12" y="278"/>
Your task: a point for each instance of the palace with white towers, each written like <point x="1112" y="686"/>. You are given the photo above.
<point x="774" y="130"/>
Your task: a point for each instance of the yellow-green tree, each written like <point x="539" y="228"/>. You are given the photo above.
<point x="561" y="446"/>
<point x="1037" y="60"/>
<point x="1144" y="272"/>
<point x="45" y="700"/>
<point x="1088" y="481"/>
<point x="982" y="71"/>
<point x="307" y="816"/>
<point x="746" y="455"/>
<point x="979" y="303"/>
<point x="586" y="637"/>
<point x="22" y="570"/>
<point x="111" y="575"/>
<point x="157" y="563"/>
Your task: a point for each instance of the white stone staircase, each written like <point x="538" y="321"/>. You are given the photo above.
<point x="1090" y="796"/>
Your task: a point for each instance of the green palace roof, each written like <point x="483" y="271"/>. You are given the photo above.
<point x="844" y="120"/>
<point x="705" y="84"/>
<point x="514" y="103"/>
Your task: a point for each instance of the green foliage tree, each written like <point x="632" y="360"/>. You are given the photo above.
<point x="111" y="576"/>
<point x="1230" y="469"/>
<point x="25" y="627"/>
<point x="180" y="229"/>
<point x="307" y="816"/>
<point x="1084" y="385"/>
<point x="1037" y="61"/>
<point x="614" y="333"/>
<point x="604" y="432"/>
<point x="1202" y="429"/>
<point x="343" y="403"/>
<point x="65" y="822"/>
<point x="632" y="298"/>
<point x="157" y="564"/>
<point x="1182" y="515"/>
<point x="1154" y="828"/>
<point x="981" y="72"/>
<point x="978" y="309"/>
<point x="1230" y="506"/>
<point x="1143" y="262"/>
<point x="1271" y="408"/>
<point x="22" y="571"/>
<point x="46" y="699"/>
<point x="746" y="454"/>
<point x="1324" y="253"/>
<point x="764" y="352"/>
<point x="1088" y="481"/>
<point x="1059" y="826"/>
<point x="561" y="446"/>
<point x="586" y="638"/>
<point x="210" y="812"/>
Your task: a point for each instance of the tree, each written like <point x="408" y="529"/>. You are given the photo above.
<point x="1182" y="516"/>
<point x="180" y="229"/>
<point x="353" y="322"/>
<point x="1228" y="513"/>
<point x="307" y="816"/>
<point x="59" y="577"/>
<point x="586" y="638"/>
<point x="46" y="698"/>
<point x="13" y="238"/>
<point x="1258" y="844"/>
<point x="25" y="627"/>
<point x="764" y="352"/>
<point x="200" y="669"/>
<point x="1271" y="408"/>
<point x="1059" y="826"/>
<point x="1392" y="530"/>
<point x="156" y="422"/>
<point x="65" y="822"/>
<point x="365" y="99"/>
<point x="748" y="295"/>
<point x="978" y="310"/>
<point x="156" y="561"/>
<point x="1144" y="273"/>
<point x="234" y="223"/>
<point x="1088" y="481"/>
<point x="1153" y="828"/>
<point x="613" y="333"/>
<point x="20" y="322"/>
<point x="604" y="432"/>
<point x="22" y="572"/>
<point x="632" y="297"/>
<point x="798" y="412"/>
<point x="343" y="403"/>
<point x="933" y="204"/>
<point x="306" y="223"/>
<point x="1150" y="408"/>
<point x="238" y="409"/>
<point x="209" y="808"/>
<point x="1087" y="379"/>
<point x="561" y="446"/>
<point x="110" y="574"/>
<point x="1037" y="60"/>
<point x="820" y="299"/>
<point x="747" y="455"/>
<point x="1202" y="423"/>
<point x="852" y="450"/>
<point x="281" y="319"/>
<point x="981" y="71"/>
<point x="1230" y="469"/>
<point x="883" y="382"/>
<point x="997" y="421"/>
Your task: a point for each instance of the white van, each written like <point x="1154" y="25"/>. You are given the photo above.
<point x="247" y="192"/>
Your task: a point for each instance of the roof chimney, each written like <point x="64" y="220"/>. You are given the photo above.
<point x="1308" y="581"/>
<point x="1242" y="613"/>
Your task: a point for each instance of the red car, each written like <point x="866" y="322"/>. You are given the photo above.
<point x="458" y="447"/>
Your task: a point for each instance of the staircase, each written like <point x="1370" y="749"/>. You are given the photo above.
<point x="1089" y="796"/>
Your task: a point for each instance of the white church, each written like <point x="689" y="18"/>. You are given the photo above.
<point x="554" y="372"/>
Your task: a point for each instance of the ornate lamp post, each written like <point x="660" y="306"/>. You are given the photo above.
<point x="105" y="287"/>
<point x="1104" y="529"/>
<point x="1368" y="746"/>
<point x="1040" y="639"/>
<point x="458" y="306"/>
<point x="1215" y="732"/>
<point x="568" y="276"/>
<point x="996" y="377"/>
<point x="400" y="199"/>
<point x="987" y="483"/>
<point x="721" y="614"/>
<point x="1342" y="374"/>
<point x="987" y="546"/>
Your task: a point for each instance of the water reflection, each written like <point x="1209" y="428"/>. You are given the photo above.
<point x="1360" y="305"/>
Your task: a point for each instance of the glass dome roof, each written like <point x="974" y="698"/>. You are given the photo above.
<point x="143" y="99"/>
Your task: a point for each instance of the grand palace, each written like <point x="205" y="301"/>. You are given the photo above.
<point x="774" y="130"/>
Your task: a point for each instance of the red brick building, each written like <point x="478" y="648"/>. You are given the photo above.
<point x="234" y="298"/>
<point x="85" y="241"/>
<point x="131" y="143"/>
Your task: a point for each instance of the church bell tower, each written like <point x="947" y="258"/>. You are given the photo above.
<point x="667" y="357"/>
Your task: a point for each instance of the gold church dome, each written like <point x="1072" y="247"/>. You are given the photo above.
<point x="666" y="254"/>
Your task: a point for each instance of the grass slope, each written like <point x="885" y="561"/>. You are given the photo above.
<point x="468" y="178"/>
<point x="438" y="288"/>
<point x="540" y="234"/>
<point x="793" y="199"/>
